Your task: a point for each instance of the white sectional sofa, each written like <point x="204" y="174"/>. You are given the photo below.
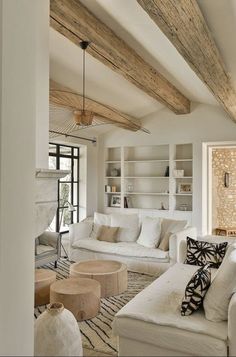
<point x="151" y="324"/>
<point x="83" y="245"/>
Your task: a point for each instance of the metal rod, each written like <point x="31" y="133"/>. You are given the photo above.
<point x="73" y="136"/>
<point x="83" y="80"/>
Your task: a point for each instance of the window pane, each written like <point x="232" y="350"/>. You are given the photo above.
<point x="75" y="170"/>
<point x="65" y="164"/>
<point x="52" y="148"/>
<point x="64" y="150"/>
<point x="52" y="227"/>
<point x="75" y="193"/>
<point x="52" y="162"/>
<point x="65" y="219"/>
<point x="65" y="194"/>
<point x="75" y="219"/>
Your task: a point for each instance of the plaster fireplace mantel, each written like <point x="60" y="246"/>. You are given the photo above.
<point x="46" y="197"/>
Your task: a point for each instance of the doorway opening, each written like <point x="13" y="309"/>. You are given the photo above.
<point x="219" y="188"/>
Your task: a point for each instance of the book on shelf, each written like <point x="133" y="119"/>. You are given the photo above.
<point x="127" y="202"/>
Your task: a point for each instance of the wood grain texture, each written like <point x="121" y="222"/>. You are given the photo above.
<point x="43" y="279"/>
<point x="65" y="97"/>
<point x="80" y="296"/>
<point x="76" y="22"/>
<point x="184" y="25"/>
<point x="112" y="275"/>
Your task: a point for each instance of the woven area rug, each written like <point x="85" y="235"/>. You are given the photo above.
<point x="97" y="332"/>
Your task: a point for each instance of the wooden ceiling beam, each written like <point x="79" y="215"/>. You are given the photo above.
<point x="67" y="98"/>
<point x="183" y="23"/>
<point x="76" y="22"/>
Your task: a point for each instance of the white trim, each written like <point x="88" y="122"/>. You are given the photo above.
<point x="207" y="181"/>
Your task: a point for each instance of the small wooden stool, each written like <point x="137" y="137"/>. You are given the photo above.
<point x="80" y="296"/>
<point x="112" y="275"/>
<point x="43" y="279"/>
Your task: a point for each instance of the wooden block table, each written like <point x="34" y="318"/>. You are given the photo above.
<point x="229" y="232"/>
<point x="43" y="279"/>
<point x="112" y="275"/>
<point x="80" y="296"/>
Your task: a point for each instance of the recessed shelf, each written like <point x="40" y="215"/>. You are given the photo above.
<point x="183" y="177"/>
<point x="113" y="177"/>
<point x="146" y="177"/>
<point x="142" y="161"/>
<point x="147" y="193"/>
<point x="113" y="193"/>
<point x="182" y="194"/>
<point x="112" y="162"/>
<point x="183" y="160"/>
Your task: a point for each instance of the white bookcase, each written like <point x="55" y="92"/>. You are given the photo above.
<point x="149" y="177"/>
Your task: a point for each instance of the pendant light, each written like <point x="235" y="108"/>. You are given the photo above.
<point x="83" y="117"/>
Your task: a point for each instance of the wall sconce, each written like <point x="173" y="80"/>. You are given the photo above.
<point x="226" y="179"/>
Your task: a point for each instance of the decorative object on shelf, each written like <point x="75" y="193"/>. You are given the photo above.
<point x="115" y="172"/>
<point x="185" y="187"/>
<point x="56" y="333"/>
<point x="183" y="207"/>
<point x="115" y="201"/>
<point x="225" y="231"/>
<point x="127" y="202"/>
<point x="167" y="172"/>
<point x="178" y="173"/>
<point x="113" y="188"/>
<point x="162" y="206"/>
<point x="107" y="188"/>
<point x="130" y="187"/>
<point x="226" y="179"/>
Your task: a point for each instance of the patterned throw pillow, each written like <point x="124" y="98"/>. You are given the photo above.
<point x="201" y="253"/>
<point x="196" y="290"/>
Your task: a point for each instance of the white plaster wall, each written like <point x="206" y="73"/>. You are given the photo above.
<point x="205" y="123"/>
<point x="42" y="85"/>
<point x="19" y="22"/>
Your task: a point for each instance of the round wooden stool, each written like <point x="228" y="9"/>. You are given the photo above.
<point x="80" y="296"/>
<point x="43" y="279"/>
<point x="112" y="275"/>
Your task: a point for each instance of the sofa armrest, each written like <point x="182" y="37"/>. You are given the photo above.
<point x="177" y="244"/>
<point x="50" y="238"/>
<point x="232" y="326"/>
<point x="80" y="230"/>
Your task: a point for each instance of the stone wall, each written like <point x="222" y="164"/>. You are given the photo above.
<point x="223" y="198"/>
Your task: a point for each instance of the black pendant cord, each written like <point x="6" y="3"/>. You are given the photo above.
<point x="83" y="81"/>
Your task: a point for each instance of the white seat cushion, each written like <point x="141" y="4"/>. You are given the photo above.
<point x="160" y="304"/>
<point x="131" y="249"/>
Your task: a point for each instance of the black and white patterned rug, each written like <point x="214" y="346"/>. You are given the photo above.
<point x="97" y="332"/>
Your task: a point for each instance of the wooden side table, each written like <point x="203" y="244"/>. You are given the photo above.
<point x="229" y="232"/>
<point x="43" y="279"/>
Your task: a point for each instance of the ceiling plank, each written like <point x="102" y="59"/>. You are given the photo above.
<point x="76" y="22"/>
<point x="184" y="25"/>
<point x="67" y="98"/>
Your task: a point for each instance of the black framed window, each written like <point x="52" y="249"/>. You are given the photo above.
<point x="65" y="157"/>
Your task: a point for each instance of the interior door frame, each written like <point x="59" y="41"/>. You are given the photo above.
<point x="207" y="148"/>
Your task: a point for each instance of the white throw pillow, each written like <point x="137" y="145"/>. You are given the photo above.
<point x="150" y="232"/>
<point x="80" y="230"/>
<point x="217" y="299"/>
<point x="171" y="225"/>
<point x="100" y="219"/>
<point x="129" y="226"/>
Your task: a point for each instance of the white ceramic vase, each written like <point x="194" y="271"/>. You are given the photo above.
<point x="56" y="333"/>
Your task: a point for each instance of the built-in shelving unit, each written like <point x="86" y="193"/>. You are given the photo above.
<point x="155" y="177"/>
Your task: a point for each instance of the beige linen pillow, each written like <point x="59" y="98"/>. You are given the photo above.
<point x="107" y="234"/>
<point x="164" y="245"/>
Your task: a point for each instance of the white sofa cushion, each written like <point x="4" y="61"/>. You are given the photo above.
<point x="160" y="303"/>
<point x="218" y="297"/>
<point x="129" y="226"/>
<point x="130" y="249"/>
<point x="80" y="230"/>
<point x="100" y="219"/>
<point x="172" y="226"/>
<point x="150" y="232"/>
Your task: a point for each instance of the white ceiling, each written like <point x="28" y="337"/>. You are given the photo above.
<point x="131" y="23"/>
